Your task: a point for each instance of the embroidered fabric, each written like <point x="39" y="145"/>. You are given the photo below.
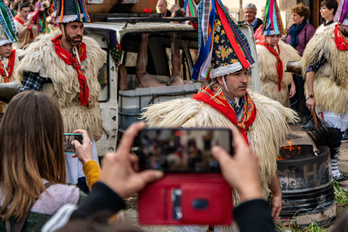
<point x="225" y="70"/>
<point x="5" y="67"/>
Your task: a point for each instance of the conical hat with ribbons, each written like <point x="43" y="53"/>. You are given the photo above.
<point x="7" y="25"/>
<point x="223" y="48"/>
<point x="272" y="23"/>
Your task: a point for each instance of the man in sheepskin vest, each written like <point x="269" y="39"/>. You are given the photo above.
<point x="8" y="56"/>
<point x="324" y="63"/>
<point x="273" y="55"/>
<point x="226" y="101"/>
<point x="65" y="65"/>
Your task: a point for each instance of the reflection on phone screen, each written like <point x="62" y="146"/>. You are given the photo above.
<point x="182" y="150"/>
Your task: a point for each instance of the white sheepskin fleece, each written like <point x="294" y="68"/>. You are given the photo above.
<point x="268" y="71"/>
<point x="40" y="57"/>
<point x="331" y="80"/>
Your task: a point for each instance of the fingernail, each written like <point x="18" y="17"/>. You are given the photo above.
<point x="214" y="148"/>
<point x="159" y="174"/>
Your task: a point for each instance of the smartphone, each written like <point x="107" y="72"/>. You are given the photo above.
<point x="68" y="138"/>
<point x="182" y="150"/>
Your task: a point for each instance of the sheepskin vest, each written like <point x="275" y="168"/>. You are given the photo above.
<point x="26" y="38"/>
<point x="40" y="57"/>
<point x="265" y="135"/>
<point x="268" y="71"/>
<point x="331" y="80"/>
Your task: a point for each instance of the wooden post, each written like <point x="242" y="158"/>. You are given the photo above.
<point x="316" y="13"/>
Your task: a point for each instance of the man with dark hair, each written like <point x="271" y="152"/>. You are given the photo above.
<point x="25" y="35"/>
<point x="225" y="101"/>
<point x="250" y="12"/>
<point x="65" y="65"/>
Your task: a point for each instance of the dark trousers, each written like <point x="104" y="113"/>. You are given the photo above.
<point x="298" y="102"/>
<point x="82" y="184"/>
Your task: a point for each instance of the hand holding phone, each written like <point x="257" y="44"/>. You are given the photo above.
<point x="192" y="190"/>
<point x="83" y="147"/>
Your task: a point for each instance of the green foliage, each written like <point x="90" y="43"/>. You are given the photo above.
<point x="341" y="196"/>
<point x="313" y="227"/>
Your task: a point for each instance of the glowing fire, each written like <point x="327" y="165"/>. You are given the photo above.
<point x="291" y="148"/>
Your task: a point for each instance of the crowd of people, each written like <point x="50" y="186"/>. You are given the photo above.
<point x="59" y="93"/>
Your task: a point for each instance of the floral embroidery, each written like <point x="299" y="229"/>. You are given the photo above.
<point x="217" y="38"/>
<point x="224" y="54"/>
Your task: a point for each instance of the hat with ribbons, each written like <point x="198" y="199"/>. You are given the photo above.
<point x="7" y="25"/>
<point x="223" y="48"/>
<point x="272" y="23"/>
<point x="341" y="15"/>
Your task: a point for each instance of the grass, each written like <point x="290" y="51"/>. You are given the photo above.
<point x="313" y="227"/>
<point x="341" y="196"/>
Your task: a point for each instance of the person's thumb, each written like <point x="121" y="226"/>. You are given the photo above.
<point x="149" y="176"/>
<point x="220" y="155"/>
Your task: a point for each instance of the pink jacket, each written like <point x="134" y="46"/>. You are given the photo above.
<point x="259" y="37"/>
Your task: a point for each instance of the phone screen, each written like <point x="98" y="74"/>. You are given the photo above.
<point x="182" y="149"/>
<point x="68" y="138"/>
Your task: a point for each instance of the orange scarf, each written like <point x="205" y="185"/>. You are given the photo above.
<point x="279" y="62"/>
<point x="219" y="102"/>
<point x="20" y="20"/>
<point x="69" y="60"/>
<point x="6" y="74"/>
<point x="340" y="39"/>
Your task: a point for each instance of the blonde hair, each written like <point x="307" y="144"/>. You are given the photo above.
<point x="31" y="149"/>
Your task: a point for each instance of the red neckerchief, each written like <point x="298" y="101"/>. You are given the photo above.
<point x="279" y="61"/>
<point x="340" y="40"/>
<point x="9" y="68"/>
<point x="69" y="60"/>
<point x="219" y="102"/>
<point x="20" y="20"/>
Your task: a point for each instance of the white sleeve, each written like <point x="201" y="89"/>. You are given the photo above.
<point x="59" y="219"/>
